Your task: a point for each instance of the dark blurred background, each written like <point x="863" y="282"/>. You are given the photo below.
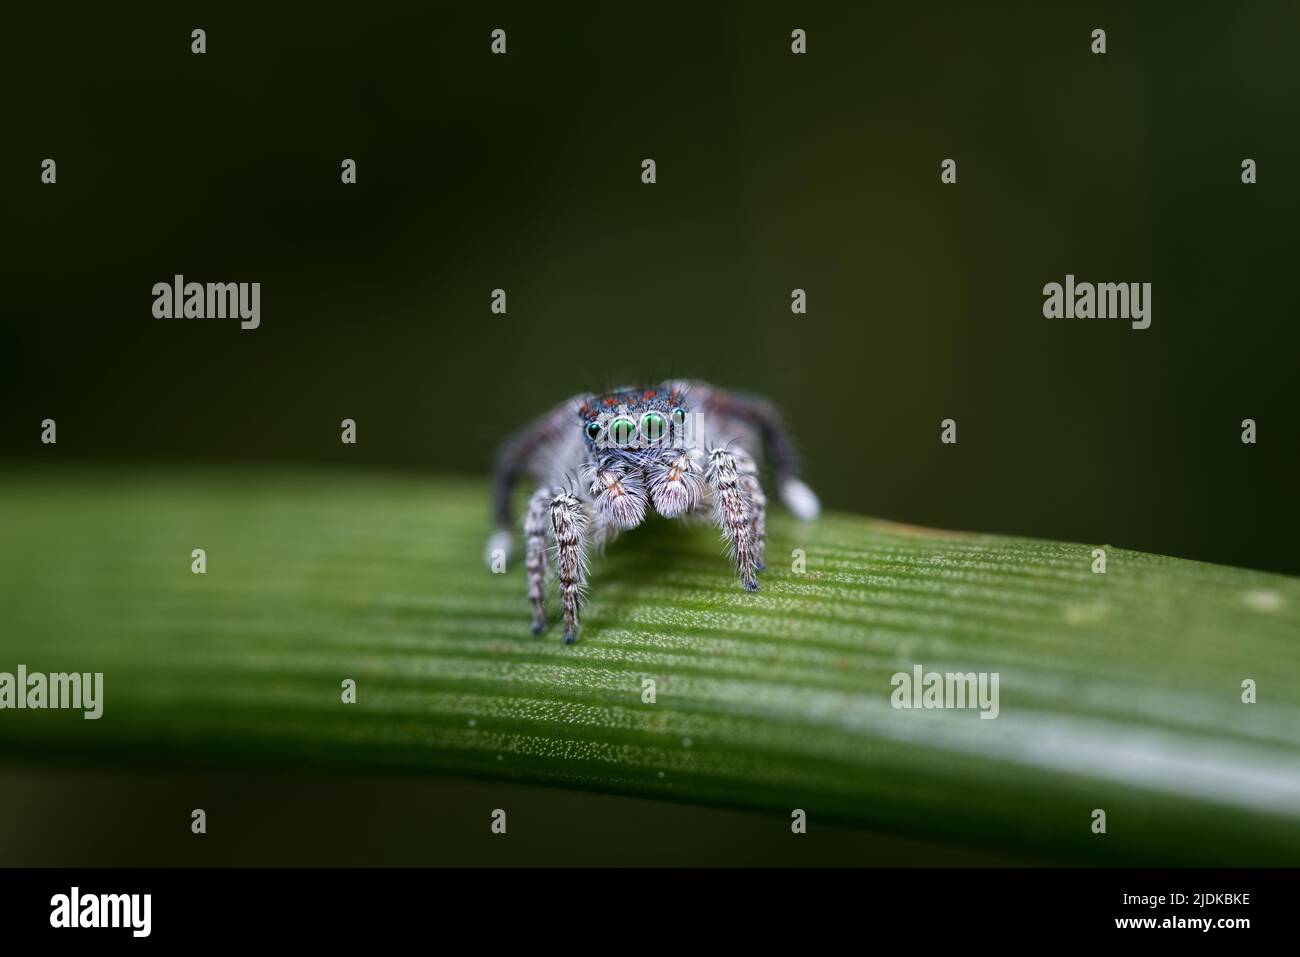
<point x="775" y="171"/>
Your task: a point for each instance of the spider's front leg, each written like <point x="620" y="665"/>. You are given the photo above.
<point x="536" y="523"/>
<point x="748" y="471"/>
<point x="568" y="522"/>
<point x="733" y="513"/>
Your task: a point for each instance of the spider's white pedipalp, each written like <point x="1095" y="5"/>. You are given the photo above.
<point x="675" y="483"/>
<point x="617" y="493"/>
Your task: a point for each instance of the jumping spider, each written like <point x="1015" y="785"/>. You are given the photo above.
<point x="603" y="460"/>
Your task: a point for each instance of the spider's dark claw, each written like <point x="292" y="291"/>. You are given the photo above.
<point x="539" y="627"/>
<point x="570" y="637"/>
<point x="751" y="585"/>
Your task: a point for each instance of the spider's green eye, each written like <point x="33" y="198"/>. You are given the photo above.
<point x="623" y="430"/>
<point x="679" y="415"/>
<point x="653" y="426"/>
<point x="593" y="430"/>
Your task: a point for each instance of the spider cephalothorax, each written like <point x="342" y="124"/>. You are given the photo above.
<point x="680" y="448"/>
